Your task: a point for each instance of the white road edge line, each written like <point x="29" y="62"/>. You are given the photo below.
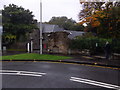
<point x="95" y="83"/>
<point x="22" y="72"/>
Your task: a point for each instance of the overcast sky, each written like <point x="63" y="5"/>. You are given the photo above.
<point x="69" y="8"/>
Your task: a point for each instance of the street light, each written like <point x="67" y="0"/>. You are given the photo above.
<point x="40" y="27"/>
<point x="1" y="29"/>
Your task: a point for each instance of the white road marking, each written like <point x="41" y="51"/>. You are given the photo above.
<point x="21" y="74"/>
<point x="95" y="83"/>
<point x="24" y="73"/>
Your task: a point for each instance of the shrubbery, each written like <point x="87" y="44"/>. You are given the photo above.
<point x="94" y="44"/>
<point x="116" y="45"/>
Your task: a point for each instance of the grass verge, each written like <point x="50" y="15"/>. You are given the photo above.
<point x="34" y="56"/>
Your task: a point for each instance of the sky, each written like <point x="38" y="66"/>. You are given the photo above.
<point x="50" y="8"/>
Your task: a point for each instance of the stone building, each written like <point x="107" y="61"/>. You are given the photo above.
<point x="55" y="40"/>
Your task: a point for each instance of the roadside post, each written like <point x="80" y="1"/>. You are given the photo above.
<point x="28" y="47"/>
<point x="31" y="46"/>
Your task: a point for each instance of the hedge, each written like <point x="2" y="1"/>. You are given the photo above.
<point x="90" y="44"/>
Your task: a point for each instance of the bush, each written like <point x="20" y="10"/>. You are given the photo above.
<point x="116" y="45"/>
<point x="83" y="43"/>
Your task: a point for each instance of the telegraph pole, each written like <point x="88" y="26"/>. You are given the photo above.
<point x="41" y="27"/>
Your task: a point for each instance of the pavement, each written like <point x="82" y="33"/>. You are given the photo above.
<point x="46" y="75"/>
<point x="98" y="60"/>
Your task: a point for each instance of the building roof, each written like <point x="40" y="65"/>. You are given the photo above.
<point x="73" y="34"/>
<point x="48" y="28"/>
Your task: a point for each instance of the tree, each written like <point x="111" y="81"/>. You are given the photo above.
<point x="90" y="7"/>
<point x="104" y="22"/>
<point x="17" y="22"/>
<point x="110" y="23"/>
<point x="78" y="27"/>
<point x="63" y="22"/>
<point x="67" y="24"/>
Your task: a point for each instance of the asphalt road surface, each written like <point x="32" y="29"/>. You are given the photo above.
<point x="57" y="75"/>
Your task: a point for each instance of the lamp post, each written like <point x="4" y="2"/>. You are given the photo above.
<point x="40" y="27"/>
<point x="31" y="44"/>
<point x="1" y="29"/>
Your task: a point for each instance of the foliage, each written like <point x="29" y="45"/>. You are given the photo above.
<point x="77" y="27"/>
<point x="67" y="24"/>
<point x="93" y="21"/>
<point x="8" y="38"/>
<point x="82" y="43"/>
<point x="17" y="21"/>
<point x="116" y="45"/>
<point x="110" y="23"/>
<point x="88" y="8"/>
<point x="86" y="35"/>
<point x="105" y="23"/>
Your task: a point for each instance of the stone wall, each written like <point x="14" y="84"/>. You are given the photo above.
<point x="58" y="42"/>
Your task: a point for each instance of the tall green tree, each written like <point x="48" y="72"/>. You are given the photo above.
<point x="17" y="22"/>
<point x="63" y="22"/>
<point x="67" y="24"/>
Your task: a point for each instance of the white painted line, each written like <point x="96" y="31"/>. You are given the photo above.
<point x="95" y="83"/>
<point x="24" y="73"/>
<point x="28" y="72"/>
<point x="92" y="83"/>
<point x="21" y="74"/>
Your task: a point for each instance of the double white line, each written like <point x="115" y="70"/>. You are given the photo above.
<point x="96" y="83"/>
<point x="24" y="73"/>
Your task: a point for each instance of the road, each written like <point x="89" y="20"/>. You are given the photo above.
<point x="57" y="75"/>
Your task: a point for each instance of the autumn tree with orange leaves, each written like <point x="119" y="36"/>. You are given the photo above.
<point x="109" y="23"/>
<point x="105" y="23"/>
